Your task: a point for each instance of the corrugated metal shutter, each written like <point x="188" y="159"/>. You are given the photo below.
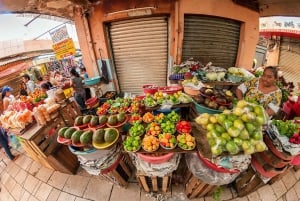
<point x="212" y="39"/>
<point x="260" y="55"/>
<point x="140" y="51"/>
<point x="289" y="58"/>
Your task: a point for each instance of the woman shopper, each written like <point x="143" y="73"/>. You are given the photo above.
<point x="7" y="97"/>
<point x="78" y="90"/>
<point x="263" y="91"/>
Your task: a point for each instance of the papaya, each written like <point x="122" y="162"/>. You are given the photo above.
<point x="94" y="121"/>
<point x="102" y="119"/>
<point x="110" y="134"/>
<point x="78" y="121"/>
<point x="112" y="120"/>
<point x="121" y="117"/>
<point x="76" y="136"/>
<point x="86" y="119"/>
<point x="86" y="137"/>
<point x="62" y="131"/>
<point x="98" y="136"/>
<point x="69" y="132"/>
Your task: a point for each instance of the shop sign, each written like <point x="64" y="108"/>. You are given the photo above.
<point x="64" y="49"/>
<point x="59" y="34"/>
<point x="289" y="25"/>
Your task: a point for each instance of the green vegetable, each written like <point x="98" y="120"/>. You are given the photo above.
<point x="286" y="128"/>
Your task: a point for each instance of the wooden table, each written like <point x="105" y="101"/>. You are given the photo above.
<point x="40" y="142"/>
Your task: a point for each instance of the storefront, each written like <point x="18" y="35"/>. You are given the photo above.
<point x="178" y="30"/>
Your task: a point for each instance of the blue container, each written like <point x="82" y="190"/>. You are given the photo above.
<point x="202" y="109"/>
<point x="92" y="81"/>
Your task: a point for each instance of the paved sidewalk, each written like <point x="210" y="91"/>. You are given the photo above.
<point x="26" y="179"/>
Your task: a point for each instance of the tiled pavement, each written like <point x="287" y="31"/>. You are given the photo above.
<point x="26" y="179"/>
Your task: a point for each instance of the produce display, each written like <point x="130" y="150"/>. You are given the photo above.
<point x="132" y="143"/>
<point x="289" y="129"/>
<point x="37" y="95"/>
<point x="183" y="127"/>
<point x="137" y="130"/>
<point x="186" y="141"/>
<point x="148" y="117"/>
<point x="150" y="143"/>
<point x="167" y="140"/>
<point x="215" y="99"/>
<point x="236" y="130"/>
<point x="16" y="119"/>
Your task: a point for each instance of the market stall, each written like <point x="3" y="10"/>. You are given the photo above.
<point x="162" y="136"/>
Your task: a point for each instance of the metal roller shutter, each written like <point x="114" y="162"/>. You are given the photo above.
<point x="212" y="39"/>
<point x="140" y="51"/>
<point x="289" y="59"/>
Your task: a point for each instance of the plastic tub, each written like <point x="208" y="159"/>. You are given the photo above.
<point x="150" y="89"/>
<point x="170" y="89"/>
<point x="156" y="159"/>
<point x="190" y="91"/>
<point x="92" y="80"/>
<point x="202" y="109"/>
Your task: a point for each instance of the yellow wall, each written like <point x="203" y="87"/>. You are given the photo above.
<point x="108" y="12"/>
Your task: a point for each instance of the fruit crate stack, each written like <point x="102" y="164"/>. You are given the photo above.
<point x="195" y="187"/>
<point x="154" y="183"/>
<point x="120" y="171"/>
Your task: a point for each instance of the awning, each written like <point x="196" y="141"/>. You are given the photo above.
<point x="14" y="69"/>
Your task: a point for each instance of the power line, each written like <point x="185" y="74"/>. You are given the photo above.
<point x="52" y="29"/>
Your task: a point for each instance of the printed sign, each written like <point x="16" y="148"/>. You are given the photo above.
<point x="64" y="48"/>
<point x="280" y="24"/>
<point x="59" y="34"/>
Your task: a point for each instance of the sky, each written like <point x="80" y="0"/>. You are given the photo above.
<point x="12" y="27"/>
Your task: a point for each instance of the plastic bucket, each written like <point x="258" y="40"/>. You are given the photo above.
<point x="155" y="159"/>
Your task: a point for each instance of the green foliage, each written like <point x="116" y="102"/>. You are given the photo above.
<point x="217" y="194"/>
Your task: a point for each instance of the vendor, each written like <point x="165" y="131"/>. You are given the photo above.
<point x="79" y="92"/>
<point x="263" y="91"/>
<point x="30" y="85"/>
<point x="7" y="97"/>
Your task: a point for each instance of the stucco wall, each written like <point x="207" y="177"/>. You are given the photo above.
<point x="118" y="10"/>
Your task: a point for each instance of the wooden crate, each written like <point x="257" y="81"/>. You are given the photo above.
<point x="69" y="111"/>
<point x="195" y="187"/>
<point x="247" y="182"/>
<point x="41" y="145"/>
<point x="119" y="172"/>
<point x="154" y="183"/>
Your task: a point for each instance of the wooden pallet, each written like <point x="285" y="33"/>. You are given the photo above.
<point x="119" y="172"/>
<point x="247" y="182"/>
<point x="195" y="187"/>
<point x="154" y="183"/>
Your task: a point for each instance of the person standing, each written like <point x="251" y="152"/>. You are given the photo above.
<point x="7" y="97"/>
<point x="79" y="92"/>
<point x="4" y="144"/>
<point x="23" y="89"/>
<point x="84" y="73"/>
<point x="29" y="83"/>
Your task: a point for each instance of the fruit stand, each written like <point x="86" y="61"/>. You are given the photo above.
<point x="162" y="137"/>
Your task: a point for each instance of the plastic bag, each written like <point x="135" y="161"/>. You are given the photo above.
<point x="158" y="170"/>
<point x="207" y="175"/>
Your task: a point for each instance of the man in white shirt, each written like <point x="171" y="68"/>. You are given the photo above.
<point x="29" y="83"/>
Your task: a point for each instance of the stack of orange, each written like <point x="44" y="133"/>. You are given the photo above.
<point x="150" y="143"/>
<point x="153" y="129"/>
